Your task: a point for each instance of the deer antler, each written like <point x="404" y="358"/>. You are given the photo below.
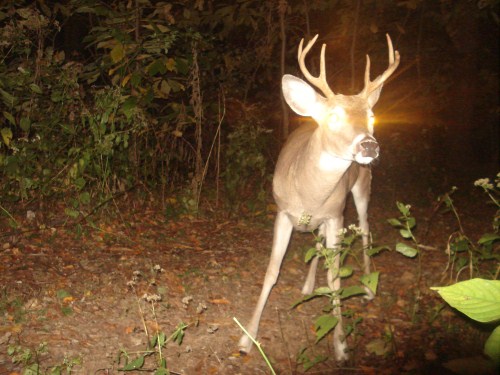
<point x="371" y="86"/>
<point x="320" y="81"/>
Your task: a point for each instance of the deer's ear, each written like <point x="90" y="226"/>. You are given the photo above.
<point x="373" y="97"/>
<point x="301" y="97"/>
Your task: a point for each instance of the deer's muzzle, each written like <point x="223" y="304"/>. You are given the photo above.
<point x="367" y="150"/>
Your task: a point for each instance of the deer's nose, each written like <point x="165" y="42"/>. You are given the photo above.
<point x="368" y="147"/>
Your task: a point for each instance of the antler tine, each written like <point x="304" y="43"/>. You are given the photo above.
<point x="394" y="58"/>
<point x="320" y="81"/>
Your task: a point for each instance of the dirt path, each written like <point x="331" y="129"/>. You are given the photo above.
<point x="82" y="295"/>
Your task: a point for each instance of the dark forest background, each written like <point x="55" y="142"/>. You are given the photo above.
<point x="99" y="98"/>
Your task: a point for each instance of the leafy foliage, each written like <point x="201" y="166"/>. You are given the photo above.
<point x="479" y="299"/>
<point x="464" y="252"/>
<point x="405" y="224"/>
<point x="245" y="171"/>
<point x="30" y="359"/>
<point x="324" y="324"/>
<point x="87" y="123"/>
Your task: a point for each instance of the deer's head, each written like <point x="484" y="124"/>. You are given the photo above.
<point x="345" y="122"/>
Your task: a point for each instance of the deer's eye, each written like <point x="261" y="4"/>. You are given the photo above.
<point x="371" y="120"/>
<point x="337" y="118"/>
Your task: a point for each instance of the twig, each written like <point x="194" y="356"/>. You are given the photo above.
<point x="284" y="341"/>
<point x="257" y="344"/>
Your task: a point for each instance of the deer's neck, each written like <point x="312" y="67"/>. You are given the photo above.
<point x="309" y="176"/>
<point x="319" y="170"/>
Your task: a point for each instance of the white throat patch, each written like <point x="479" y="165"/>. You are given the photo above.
<point x="329" y="162"/>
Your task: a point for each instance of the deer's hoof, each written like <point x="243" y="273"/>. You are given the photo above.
<point x="341" y="354"/>
<point x="308" y="288"/>
<point x="245" y="345"/>
<point x="369" y="295"/>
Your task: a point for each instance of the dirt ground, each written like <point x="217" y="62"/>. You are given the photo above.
<point x="82" y="294"/>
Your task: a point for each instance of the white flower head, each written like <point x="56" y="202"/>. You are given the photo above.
<point x="354" y="228"/>
<point x="484" y="183"/>
<point x="342" y="231"/>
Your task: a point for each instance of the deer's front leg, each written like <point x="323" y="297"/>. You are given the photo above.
<point x="361" y="195"/>
<point x="333" y="226"/>
<point x="282" y="230"/>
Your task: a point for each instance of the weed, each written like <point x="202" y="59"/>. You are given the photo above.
<point x="30" y="360"/>
<point x="477" y="298"/>
<point x="325" y="323"/>
<point x="463" y="252"/>
<point x="158" y="340"/>
<point x="257" y="344"/>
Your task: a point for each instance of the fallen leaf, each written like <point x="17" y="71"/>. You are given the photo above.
<point x="470" y="366"/>
<point x="378" y="347"/>
<point x="219" y="301"/>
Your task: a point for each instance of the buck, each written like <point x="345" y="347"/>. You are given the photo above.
<point x="317" y="168"/>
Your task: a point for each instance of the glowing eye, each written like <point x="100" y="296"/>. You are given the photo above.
<point x="337" y="117"/>
<point x="371" y="120"/>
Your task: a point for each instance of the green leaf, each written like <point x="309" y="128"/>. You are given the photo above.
<point x="375" y="250"/>
<point x="460" y="244"/>
<point x="157" y="66"/>
<point x="84" y="197"/>
<point x="405" y="233"/>
<point x="324" y="290"/>
<point x="33" y="369"/>
<point x="165" y="88"/>
<point x="56" y="96"/>
<point x="175" y="85"/>
<point x="319" y="292"/>
<point x="25" y="124"/>
<point x="488" y="238"/>
<point x="378" y="347"/>
<point x="71" y="213"/>
<point x="403" y="208"/>
<point x="6" y="135"/>
<point x="411" y="222"/>
<point x="323" y="325"/>
<point x="182" y="65"/>
<point x="303" y="299"/>
<point x="479" y="299"/>
<point x="8" y="99"/>
<point x="371" y="281"/>
<point x="9" y="117"/>
<point x="178" y="335"/>
<point x="35" y="88"/>
<point x="492" y="346"/>
<point x="80" y="183"/>
<point x="351" y="291"/>
<point x="135" y="80"/>
<point x="162" y="371"/>
<point x="406" y="250"/>
<point x="395" y="223"/>
<point x="158" y="340"/>
<point x="128" y="106"/>
<point x="62" y="294"/>
<point x="117" y="53"/>
<point x="304" y="359"/>
<point x="310" y="254"/>
<point x="66" y="310"/>
<point x="345" y="271"/>
<point x="134" y="365"/>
